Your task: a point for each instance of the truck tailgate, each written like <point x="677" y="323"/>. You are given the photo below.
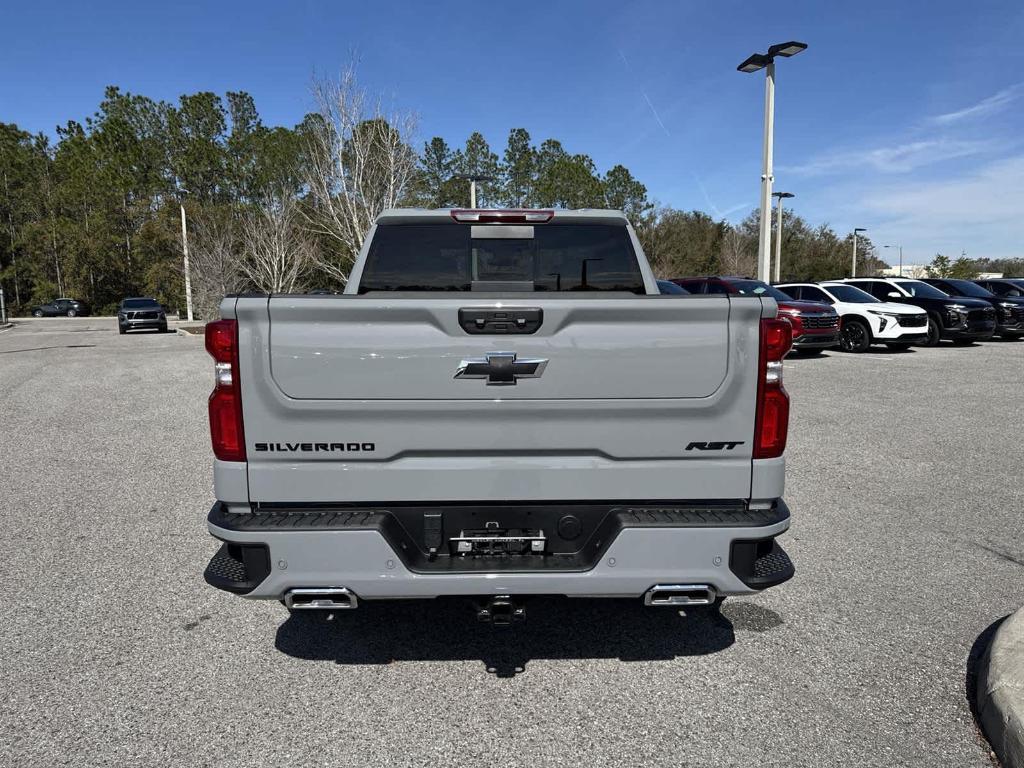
<point x="356" y="398"/>
<point x="359" y="348"/>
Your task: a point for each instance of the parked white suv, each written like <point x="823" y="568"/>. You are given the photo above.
<point x="865" y="320"/>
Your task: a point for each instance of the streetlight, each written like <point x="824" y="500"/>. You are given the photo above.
<point x="473" y="178"/>
<point x="901" y="256"/>
<point x="184" y="248"/>
<point x="583" y="269"/>
<point x="853" y="269"/>
<point x="778" y="233"/>
<point x="752" y="64"/>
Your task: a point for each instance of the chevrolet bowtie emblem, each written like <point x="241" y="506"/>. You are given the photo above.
<point x="501" y="368"/>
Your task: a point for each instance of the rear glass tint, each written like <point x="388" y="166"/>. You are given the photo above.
<point x="445" y="257"/>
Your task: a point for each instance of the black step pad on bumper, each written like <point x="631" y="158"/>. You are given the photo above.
<point x="760" y="563"/>
<point x="335" y="518"/>
<point x="238" y="568"/>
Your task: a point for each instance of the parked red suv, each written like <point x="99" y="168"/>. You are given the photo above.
<point x="815" y="325"/>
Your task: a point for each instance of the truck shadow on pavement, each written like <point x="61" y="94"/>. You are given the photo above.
<point x="555" y="628"/>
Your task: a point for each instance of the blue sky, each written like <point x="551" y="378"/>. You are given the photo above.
<point x="901" y="117"/>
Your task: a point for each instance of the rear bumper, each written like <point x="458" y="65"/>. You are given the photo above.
<point x="370" y="553"/>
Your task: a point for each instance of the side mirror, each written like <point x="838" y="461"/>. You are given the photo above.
<point x="894" y="295"/>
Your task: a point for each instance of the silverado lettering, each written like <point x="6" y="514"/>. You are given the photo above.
<point x="315" y="447"/>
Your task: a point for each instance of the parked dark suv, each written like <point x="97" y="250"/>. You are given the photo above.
<point x="1003" y="286"/>
<point x="138" y="313"/>
<point x="61" y="307"/>
<point x="1009" y="309"/>
<point x="960" y="319"/>
<point x="815" y="325"/>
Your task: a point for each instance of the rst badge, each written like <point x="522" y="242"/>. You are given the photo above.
<point x="501" y="368"/>
<point x="722" y="445"/>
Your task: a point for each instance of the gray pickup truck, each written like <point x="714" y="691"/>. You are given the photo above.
<point x="500" y="405"/>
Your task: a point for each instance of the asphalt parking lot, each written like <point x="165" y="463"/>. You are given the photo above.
<point x="905" y="481"/>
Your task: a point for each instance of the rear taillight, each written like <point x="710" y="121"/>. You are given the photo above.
<point x="494" y="216"/>
<point x="771" y="422"/>
<point x="226" y="401"/>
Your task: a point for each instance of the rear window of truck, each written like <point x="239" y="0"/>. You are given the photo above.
<point x="457" y="257"/>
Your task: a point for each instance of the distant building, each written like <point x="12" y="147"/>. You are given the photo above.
<point x="915" y="271"/>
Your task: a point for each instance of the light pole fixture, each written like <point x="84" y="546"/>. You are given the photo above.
<point x="900" y="247"/>
<point x="473" y="178"/>
<point x="184" y="249"/>
<point x="778" y="233"/>
<point x="583" y="270"/>
<point x="753" y="63"/>
<point x="853" y="268"/>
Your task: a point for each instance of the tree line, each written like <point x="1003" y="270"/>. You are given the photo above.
<point x="96" y="214"/>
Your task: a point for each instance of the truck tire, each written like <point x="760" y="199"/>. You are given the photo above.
<point x="855" y="336"/>
<point x="934" y="332"/>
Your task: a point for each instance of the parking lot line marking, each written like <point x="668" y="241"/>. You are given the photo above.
<point x="861" y="357"/>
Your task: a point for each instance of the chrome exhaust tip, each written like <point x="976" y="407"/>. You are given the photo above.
<point x="680" y="595"/>
<point x="320" y="599"/>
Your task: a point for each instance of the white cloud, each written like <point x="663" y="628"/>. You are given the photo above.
<point x="896" y="159"/>
<point x="979" y="211"/>
<point x="986" y="106"/>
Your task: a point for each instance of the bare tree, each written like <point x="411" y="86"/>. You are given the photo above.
<point x="214" y="259"/>
<point x="277" y="251"/>
<point x="738" y="254"/>
<point x="360" y="163"/>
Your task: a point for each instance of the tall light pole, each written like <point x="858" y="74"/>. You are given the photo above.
<point x="184" y="250"/>
<point x="754" y="63"/>
<point x="853" y="268"/>
<point x="900" y="273"/>
<point x="778" y="233"/>
<point x="473" y="178"/>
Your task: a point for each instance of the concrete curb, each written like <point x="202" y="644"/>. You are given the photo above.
<point x="1001" y="691"/>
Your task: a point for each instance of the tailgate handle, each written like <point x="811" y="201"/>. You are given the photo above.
<point x="501" y="321"/>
